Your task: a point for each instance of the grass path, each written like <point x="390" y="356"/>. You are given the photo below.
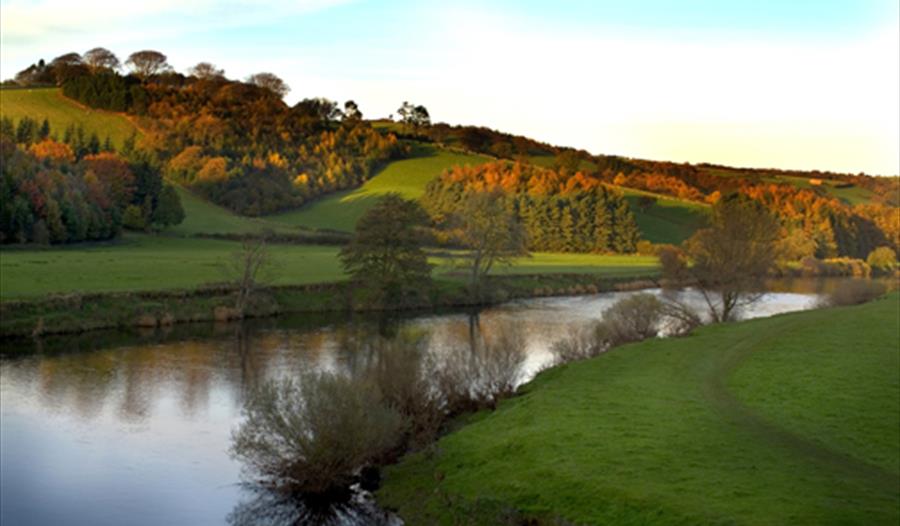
<point x="793" y="419"/>
<point x="731" y="407"/>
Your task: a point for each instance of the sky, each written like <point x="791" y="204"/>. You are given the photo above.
<point x="804" y="84"/>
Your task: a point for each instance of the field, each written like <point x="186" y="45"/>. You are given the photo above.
<point x="144" y="262"/>
<point x="203" y="217"/>
<point x="667" y="220"/>
<point x="49" y="103"/>
<point x="341" y="210"/>
<point x="793" y="419"/>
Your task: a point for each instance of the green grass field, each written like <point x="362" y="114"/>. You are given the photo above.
<point x="141" y="262"/>
<point x="203" y="217"/>
<point x="341" y="210"/>
<point x="144" y="262"/>
<point x="793" y="419"/>
<point x="668" y="220"/>
<point x="50" y="104"/>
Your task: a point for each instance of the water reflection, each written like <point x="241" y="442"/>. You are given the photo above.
<point x="133" y="428"/>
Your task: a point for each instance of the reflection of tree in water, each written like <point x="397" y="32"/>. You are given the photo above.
<point x="266" y="508"/>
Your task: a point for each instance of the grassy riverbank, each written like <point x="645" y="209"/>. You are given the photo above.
<point x="793" y="419"/>
<point x="138" y="263"/>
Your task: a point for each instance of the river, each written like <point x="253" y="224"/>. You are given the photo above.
<point x="128" y="427"/>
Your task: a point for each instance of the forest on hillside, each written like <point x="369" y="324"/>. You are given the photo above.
<point x="238" y="144"/>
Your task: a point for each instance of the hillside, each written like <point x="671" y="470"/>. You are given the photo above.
<point x="203" y="217"/>
<point x="50" y="104"/>
<point x="769" y="421"/>
<point x="408" y="177"/>
<point x="850" y="194"/>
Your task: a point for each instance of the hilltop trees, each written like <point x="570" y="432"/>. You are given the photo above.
<point x="206" y="71"/>
<point x="385" y="256"/>
<point x="271" y="82"/>
<point x="148" y="63"/>
<point x="100" y="58"/>
<point x="414" y="115"/>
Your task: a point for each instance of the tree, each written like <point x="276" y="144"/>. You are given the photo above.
<point x="490" y="232"/>
<point x="385" y="255"/>
<point x="729" y="259"/>
<point x="147" y="63"/>
<point x="351" y="111"/>
<point x="415" y="116"/>
<point x="168" y="209"/>
<point x="271" y="82"/>
<point x="206" y="71"/>
<point x="882" y="258"/>
<point x="246" y="269"/>
<point x="101" y="58"/>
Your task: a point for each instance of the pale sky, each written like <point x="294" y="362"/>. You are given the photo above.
<point x="768" y="83"/>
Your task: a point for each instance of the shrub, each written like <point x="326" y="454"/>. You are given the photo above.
<point x="313" y="435"/>
<point x="883" y="259"/>
<point x="582" y="345"/>
<point x="476" y="376"/>
<point x="631" y="319"/>
<point x="133" y="218"/>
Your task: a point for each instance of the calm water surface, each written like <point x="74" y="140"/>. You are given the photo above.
<point x="118" y="428"/>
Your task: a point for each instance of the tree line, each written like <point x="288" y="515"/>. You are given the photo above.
<point x="557" y="212"/>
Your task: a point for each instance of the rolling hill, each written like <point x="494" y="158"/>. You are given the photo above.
<point x="668" y="220"/>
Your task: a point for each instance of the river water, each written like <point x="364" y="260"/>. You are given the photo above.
<point x="124" y="427"/>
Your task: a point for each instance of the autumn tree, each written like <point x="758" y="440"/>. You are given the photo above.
<point x="491" y="234"/>
<point x="100" y="58"/>
<point x="883" y="259"/>
<point x="728" y="260"/>
<point x="271" y="82"/>
<point x="148" y="63"/>
<point x="206" y="71"/>
<point x="385" y="256"/>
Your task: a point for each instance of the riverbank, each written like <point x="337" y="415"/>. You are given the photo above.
<point x="78" y="313"/>
<point x="789" y="419"/>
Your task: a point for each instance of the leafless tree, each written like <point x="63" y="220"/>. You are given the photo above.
<point x="147" y="63"/>
<point x="101" y="58"/>
<point x="206" y="71"/>
<point x="247" y="267"/>
<point x="271" y="82"/>
<point x="727" y="261"/>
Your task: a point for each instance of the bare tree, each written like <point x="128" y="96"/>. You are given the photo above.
<point x="271" y="82"/>
<point x="728" y="260"/>
<point x="491" y="233"/>
<point x="147" y="63"/>
<point x="247" y="267"/>
<point x="101" y="58"/>
<point x="206" y="71"/>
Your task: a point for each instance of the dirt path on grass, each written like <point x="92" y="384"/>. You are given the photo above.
<point x="735" y="411"/>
